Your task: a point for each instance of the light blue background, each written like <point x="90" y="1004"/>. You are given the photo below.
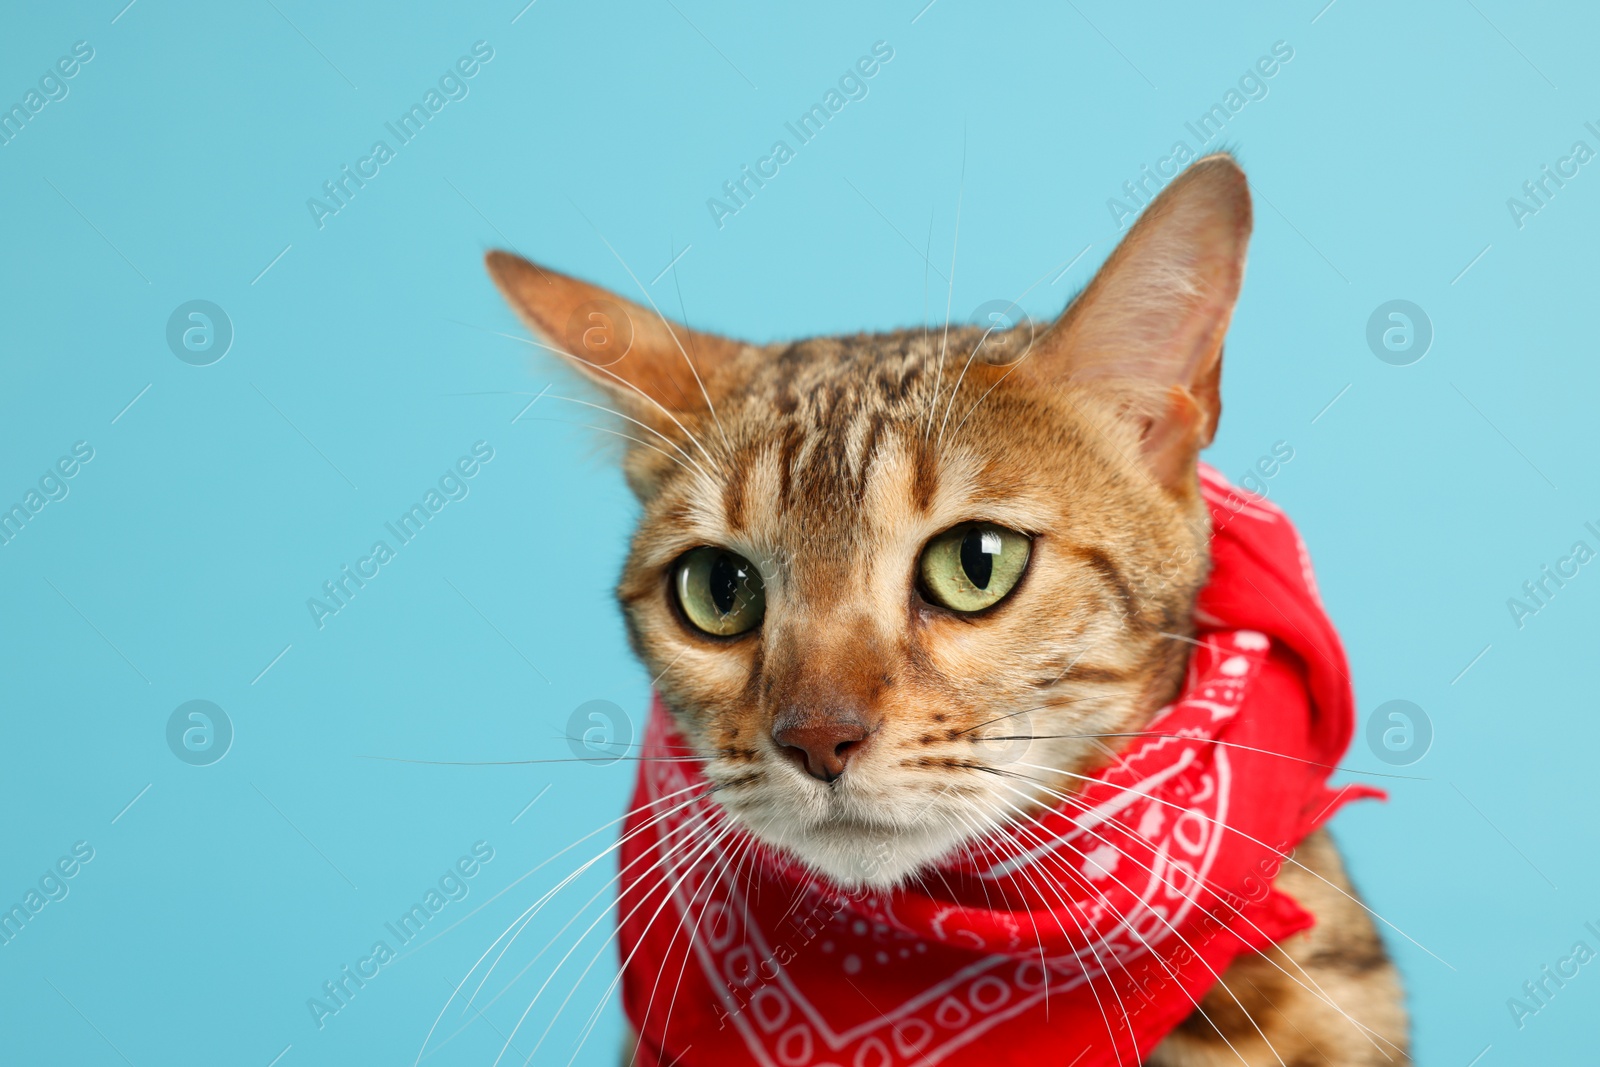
<point x="374" y="352"/>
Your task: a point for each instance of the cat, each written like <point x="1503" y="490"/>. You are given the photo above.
<point x="856" y="552"/>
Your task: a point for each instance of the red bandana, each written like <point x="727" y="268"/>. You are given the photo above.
<point x="1084" y="938"/>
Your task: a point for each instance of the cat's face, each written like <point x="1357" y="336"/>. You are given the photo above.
<point x="896" y="588"/>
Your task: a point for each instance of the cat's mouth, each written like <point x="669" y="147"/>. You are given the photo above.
<point x="877" y="807"/>
<point x="852" y="850"/>
<point x="860" y="829"/>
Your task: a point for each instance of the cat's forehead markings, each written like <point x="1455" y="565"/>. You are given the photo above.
<point x="734" y="488"/>
<point x="704" y="511"/>
<point x="955" y="482"/>
<point x="888" y="481"/>
<point x="748" y="502"/>
<point x="835" y="435"/>
<point x="925" y="484"/>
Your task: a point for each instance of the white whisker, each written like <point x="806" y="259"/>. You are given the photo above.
<point x="950" y="292"/>
<point x="1285" y="856"/>
<point x="532" y="910"/>
<point x="665" y="322"/>
<point x="1182" y="940"/>
<point x="1314" y="988"/>
<point x="601" y="407"/>
<point x="970" y="356"/>
<point x="701" y="825"/>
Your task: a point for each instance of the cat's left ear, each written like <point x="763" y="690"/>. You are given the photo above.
<point x="651" y="367"/>
<point x="1148" y="330"/>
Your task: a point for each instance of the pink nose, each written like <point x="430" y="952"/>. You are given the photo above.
<point x="822" y="744"/>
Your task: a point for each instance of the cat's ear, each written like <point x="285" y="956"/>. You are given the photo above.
<point x="648" y="365"/>
<point x="1148" y="330"/>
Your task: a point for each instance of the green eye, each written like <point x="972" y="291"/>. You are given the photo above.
<point x="719" y="591"/>
<point x="973" y="566"/>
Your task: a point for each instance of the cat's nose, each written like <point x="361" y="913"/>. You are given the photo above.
<point x="822" y="743"/>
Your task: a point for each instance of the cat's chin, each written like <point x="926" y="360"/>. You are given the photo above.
<point x="854" y="854"/>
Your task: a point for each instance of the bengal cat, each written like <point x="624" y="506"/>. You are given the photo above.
<point x="853" y="549"/>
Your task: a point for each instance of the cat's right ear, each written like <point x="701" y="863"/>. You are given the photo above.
<point x="652" y="368"/>
<point x="1148" y="330"/>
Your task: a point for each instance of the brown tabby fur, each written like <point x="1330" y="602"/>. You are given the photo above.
<point x="831" y="462"/>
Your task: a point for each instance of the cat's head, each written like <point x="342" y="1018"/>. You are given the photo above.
<point x="897" y="588"/>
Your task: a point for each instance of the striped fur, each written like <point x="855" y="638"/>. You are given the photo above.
<point x="831" y="462"/>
